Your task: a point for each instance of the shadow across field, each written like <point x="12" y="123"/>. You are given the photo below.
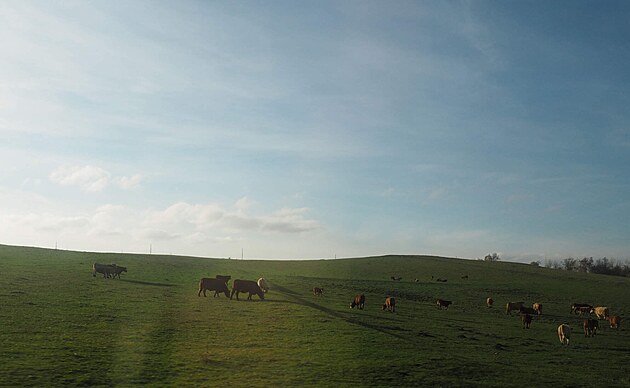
<point x="148" y="283"/>
<point x="335" y="314"/>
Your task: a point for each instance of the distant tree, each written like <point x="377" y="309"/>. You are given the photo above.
<point x="492" y="257"/>
<point x="569" y="264"/>
<point x="585" y="264"/>
<point x="535" y="263"/>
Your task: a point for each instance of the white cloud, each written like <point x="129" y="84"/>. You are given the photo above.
<point x="188" y="228"/>
<point x="92" y="178"/>
<point x="88" y="178"/>
<point x="129" y="182"/>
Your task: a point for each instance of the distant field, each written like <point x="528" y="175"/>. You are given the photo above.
<point x="61" y="326"/>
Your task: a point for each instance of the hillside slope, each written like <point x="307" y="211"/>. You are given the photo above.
<point x="61" y="325"/>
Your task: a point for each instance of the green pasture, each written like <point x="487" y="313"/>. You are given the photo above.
<point x="62" y="327"/>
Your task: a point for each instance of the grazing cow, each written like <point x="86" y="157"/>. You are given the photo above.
<point x="443" y="303"/>
<point x="390" y="304"/>
<point x="538" y="308"/>
<point x="527" y="310"/>
<point x="583" y="310"/>
<point x="216" y="285"/>
<point x="564" y="333"/>
<point x="105" y="269"/>
<point x="600" y="312"/>
<point x="442" y="280"/>
<point x="318" y="291"/>
<point x="359" y="302"/>
<point x="513" y="306"/>
<point x="590" y="327"/>
<point x="465" y="277"/>
<point x="225" y="278"/>
<point x="416" y="280"/>
<point x="489" y="302"/>
<point x="396" y="278"/>
<point x="614" y="321"/>
<point x="262" y="283"/>
<point x="575" y="307"/>
<point x="249" y="286"/>
<point x="116" y="270"/>
<point x="527" y="320"/>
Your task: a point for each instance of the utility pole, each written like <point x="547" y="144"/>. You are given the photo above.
<point x="241" y="253"/>
<point x="150" y="249"/>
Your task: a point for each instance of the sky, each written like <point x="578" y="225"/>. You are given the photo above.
<point x="309" y="130"/>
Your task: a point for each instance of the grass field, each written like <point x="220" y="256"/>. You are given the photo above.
<point x="61" y="326"/>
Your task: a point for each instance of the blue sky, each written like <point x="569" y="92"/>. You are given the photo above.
<point x="296" y="130"/>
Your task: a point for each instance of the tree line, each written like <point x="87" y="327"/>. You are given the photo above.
<point x="602" y="266"/>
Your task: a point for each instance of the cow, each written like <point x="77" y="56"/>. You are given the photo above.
<point x="262" y="283"/>
<point x="527" y="320"/>
<point x="564" y="333"/>
<point x="249" y="286"/>
<point x="614" y="321"/>
<point x="600" y="312"/>
<point x="527" y="310"/>
<point x="576" y="306"/>
<point x="225" y="278"/>
<point x="105" y="269"/>
<point x="538" y="308"/>
<point x="443" y="303"/>
<point x="590" y="327"/>
<point x="396" y="278"/>
<point x="465" y="277"/>
<point x="489" y="302"/>
<point x="583" y="310"/>
<point x="390" y="304"/>
<point x="359" y="302"/>
<point x="442" y="280"/>
<point x="317" y="291"/>
<point x="513" y="306"/>
<point x="116" y="270"/>
<point x="216" y="285"/>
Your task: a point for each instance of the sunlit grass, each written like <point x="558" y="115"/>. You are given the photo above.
<point x="61" y="326"/>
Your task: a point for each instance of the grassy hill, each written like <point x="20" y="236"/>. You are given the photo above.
<point x="61" y="326"/>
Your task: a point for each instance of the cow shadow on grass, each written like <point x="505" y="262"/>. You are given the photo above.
<point x="148" y="283"/>
<point x="336" y="314"/>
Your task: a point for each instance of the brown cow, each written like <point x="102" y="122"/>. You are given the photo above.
<point x="390" y="304"/>
<point x="489" y="302"/>
<point x="538" y="308"/>
<point x="600" y="312"/>
<point x="359" y="302"/>
<point x="614" y="321"/>
<point x="318" y="291"/>
<point x="216" y="285"/>
<point x="575" y="307"/>
<point x="443" y="303"/>
<point x="510" y="306"/>
<point x="527" y="320"/>
<point x="564" y="333"/>
<point x="225" y="278"/>
<point x="590" y="327"/>
<point x="583" y="310"/>
<point x="527" y="310"/>
<point x="249" y="286"/>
